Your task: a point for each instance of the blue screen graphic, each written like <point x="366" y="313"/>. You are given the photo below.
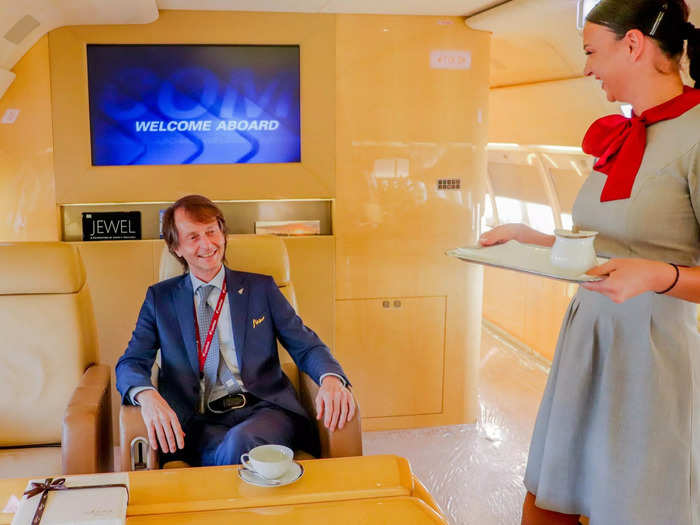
<point x="193" y="104"/>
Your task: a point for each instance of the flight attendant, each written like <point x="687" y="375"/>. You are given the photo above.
<point x="617" y="436"/>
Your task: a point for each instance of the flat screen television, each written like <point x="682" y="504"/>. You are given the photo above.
<point x="193" y="104"/>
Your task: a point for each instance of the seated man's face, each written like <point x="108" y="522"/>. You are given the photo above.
<point x="201" y="244"/>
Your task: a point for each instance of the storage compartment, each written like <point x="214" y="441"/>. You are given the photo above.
<point x="393" y="350"/>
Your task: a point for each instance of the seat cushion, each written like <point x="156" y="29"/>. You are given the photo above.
<point x="47" y="343"/>
<point x="30" y="462"/>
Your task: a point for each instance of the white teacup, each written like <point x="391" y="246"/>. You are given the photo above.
<point x="573" y="251"/>
<point x="270" y="461"/>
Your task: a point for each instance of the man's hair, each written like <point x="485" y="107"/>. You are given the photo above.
<point x="199" y="209"/>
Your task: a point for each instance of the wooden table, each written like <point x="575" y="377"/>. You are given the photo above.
<point x="399" y="509"/>
<point x="365" y="489"/>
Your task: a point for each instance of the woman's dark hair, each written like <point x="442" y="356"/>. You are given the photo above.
<point x="666" y="21"/>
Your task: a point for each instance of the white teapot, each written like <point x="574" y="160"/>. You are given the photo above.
<point x="573" y="251"/>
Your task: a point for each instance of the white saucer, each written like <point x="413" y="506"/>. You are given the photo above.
<point x="526" y="258"/>
<point x="293" y="474"/>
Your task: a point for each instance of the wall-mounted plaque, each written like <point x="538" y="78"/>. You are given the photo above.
<point x="111" y="226"/>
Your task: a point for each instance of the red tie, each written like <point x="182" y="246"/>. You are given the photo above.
<point x="619" y="142"/>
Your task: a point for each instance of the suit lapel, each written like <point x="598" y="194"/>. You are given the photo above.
<point x="238" y="294"/>
<point x="184" y="307"/>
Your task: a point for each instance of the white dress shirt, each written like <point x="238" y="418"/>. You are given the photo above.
<point x="224" y="330"/>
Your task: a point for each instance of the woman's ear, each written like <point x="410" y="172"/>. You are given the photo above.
<point x="634" y="41"/>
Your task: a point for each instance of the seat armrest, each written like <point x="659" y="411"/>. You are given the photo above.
<point x="87" y="425"/>
<point x="131" y="427"/>
<point x="341" y="443"/>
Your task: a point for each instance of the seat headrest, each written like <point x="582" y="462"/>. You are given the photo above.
<point x="40" y="268"/>
<point x="264" y="254"/>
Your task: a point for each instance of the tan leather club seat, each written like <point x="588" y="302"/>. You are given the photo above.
<point x="257" y="254"/>
<point x="54" y="402"/>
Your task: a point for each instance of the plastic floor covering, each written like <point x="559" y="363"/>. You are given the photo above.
<point x="475" y="471"/>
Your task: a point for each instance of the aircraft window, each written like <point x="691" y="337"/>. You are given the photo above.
<point x="584" y="7"/>
<point x="536" y="185"/>
<point x="509" y="210"/>
<point x="567" y="183"/>
<point x="517" y="181"/>
<point x="488" y="219"/>
<point x="540" y="217"/>
<point x="567" y="221"/>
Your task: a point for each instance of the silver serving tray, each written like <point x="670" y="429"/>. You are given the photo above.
<point x="526" y="258"/>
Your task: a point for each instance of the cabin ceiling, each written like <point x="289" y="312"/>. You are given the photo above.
<point x="384" y="7"/>
<point x="533" y="40"/>
<point x="24" y="22"/>
<point x="537" y="40"/>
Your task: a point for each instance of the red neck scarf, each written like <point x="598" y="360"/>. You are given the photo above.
<point x="619" y="142"/>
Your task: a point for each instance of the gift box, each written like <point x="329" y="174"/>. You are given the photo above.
<point x="95" y="499"/>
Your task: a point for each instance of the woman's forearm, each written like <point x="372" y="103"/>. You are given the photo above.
<point x="517" y="232"/>
<point x="531" y="236"/>
<point x="688" y="285"/>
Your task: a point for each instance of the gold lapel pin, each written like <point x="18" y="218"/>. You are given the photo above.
<point x="240" y="291"/>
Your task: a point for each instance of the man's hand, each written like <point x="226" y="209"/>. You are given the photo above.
<point x="334" y="403"/>
<point x="161" y="421"/>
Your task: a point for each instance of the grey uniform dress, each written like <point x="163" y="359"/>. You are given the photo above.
<point x="617" y="436"/>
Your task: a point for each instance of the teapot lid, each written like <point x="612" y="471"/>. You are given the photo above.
<point x="569" y="234"/>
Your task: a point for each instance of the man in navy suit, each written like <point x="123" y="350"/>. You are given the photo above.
<point x="221" y="390"/>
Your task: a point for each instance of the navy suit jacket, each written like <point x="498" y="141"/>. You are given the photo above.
<point x="166" y="321"/>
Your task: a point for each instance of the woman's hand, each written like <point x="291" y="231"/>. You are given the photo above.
<point x="628" y="278"/>
<point x="517" y="232"/>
